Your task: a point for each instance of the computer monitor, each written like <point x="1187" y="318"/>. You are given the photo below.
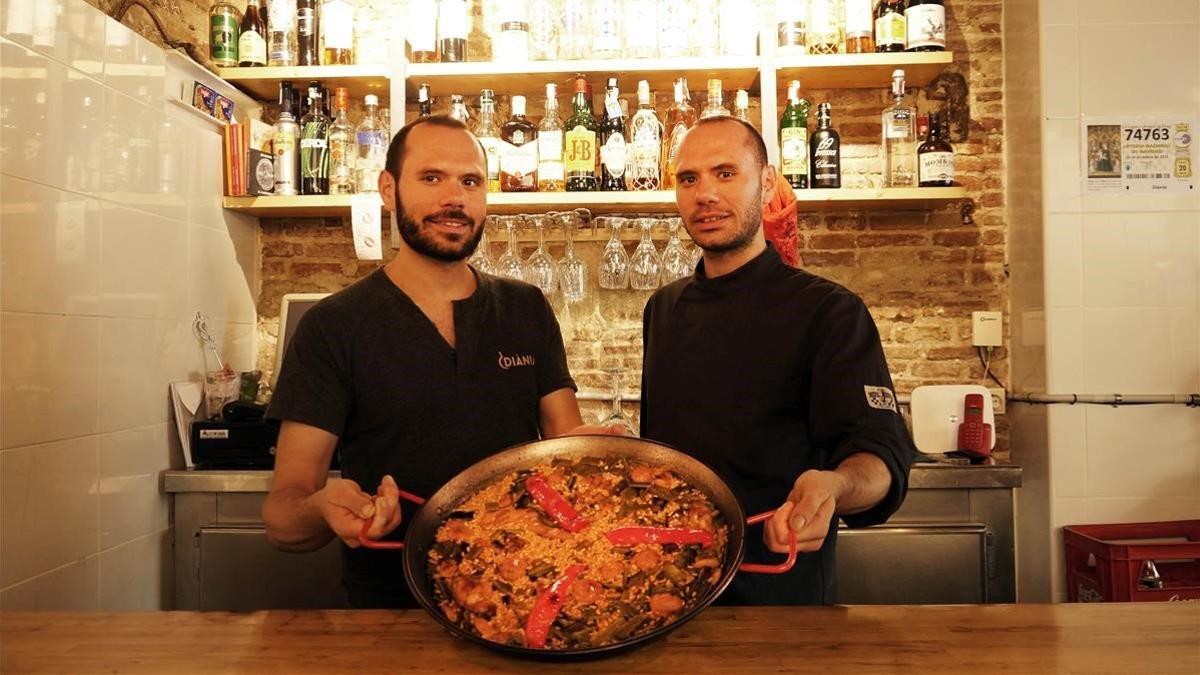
<point x="291" y="307"/>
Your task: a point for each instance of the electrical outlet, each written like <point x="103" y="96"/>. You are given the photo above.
<point x="998" y="399"/>
<point x="987" y="329"/>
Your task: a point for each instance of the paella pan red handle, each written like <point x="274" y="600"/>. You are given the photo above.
<point x="757" y="568"/>
<point x="388" y="545"/>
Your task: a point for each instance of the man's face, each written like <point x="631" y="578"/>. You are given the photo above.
<point x="719" y="187"/>
<point x="440" y="200"/>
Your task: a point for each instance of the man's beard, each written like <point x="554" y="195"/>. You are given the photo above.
<point x="751" y="222"/>
<point x="420" y="241"/>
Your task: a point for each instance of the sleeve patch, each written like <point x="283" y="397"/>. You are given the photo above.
<point x="880" y="398"/>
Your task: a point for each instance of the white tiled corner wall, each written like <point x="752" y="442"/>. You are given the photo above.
<point x="1122" y="272"/>
<point x="111" y="238"/>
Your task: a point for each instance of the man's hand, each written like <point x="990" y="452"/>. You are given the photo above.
<point x="345" y="506"/>
<point x="807" y="512"/>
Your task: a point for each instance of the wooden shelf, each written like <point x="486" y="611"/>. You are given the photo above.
<point x="469" y="78"/>
<point x="359" y="80"/>
<point x="660" y="202"/>
<point x="860" y="71"/>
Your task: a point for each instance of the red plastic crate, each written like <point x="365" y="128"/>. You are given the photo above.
<point x="1104" y="562"/>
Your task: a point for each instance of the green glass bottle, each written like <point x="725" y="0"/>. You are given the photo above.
<point x="579" y="151"/>
<point x="793" y="138"/>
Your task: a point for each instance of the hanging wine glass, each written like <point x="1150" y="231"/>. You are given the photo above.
<point x="482" y="258"/>
<point x="677" y="263"/>
<point x="572" y="272"/>
<point x="540" y="268"/>
<point x="614" y="261"/>
<point x="645" y="264"/>
<point x="509" y="264"/>
<point x="616" y="417"/>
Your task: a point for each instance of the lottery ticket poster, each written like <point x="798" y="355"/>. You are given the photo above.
<point x="1139" y="155"/>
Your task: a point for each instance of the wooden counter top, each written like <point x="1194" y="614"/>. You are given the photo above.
<point x="1116" y="638"/>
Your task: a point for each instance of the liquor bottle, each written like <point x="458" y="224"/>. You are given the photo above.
<point x="422" y="31"/>
<point x="579" y="153"/>
<point x="613" y="153"/>
<point x="519" y="151"/>
<point x="337" y="29"/>
<point x="606" y="22"/>
<point x="454" y="23"/>
<point x="512" y="40"/>
<point x="488" y="132"/>
<point x="343" y="147"/>
<point x="543" y="31"/>
<point x="716" y="105"/>
<point x="926" y="25"/>
<point x="252" y="44"/>
<point x="890" y="26"/>
<point x="641" y="29"/>
<point x="826" y="152"/>
<point x="824" y="33"/>
<point x="739" y="25"/>
<point x="791" y="20"/>
<point x="287" y="137"/>
<point x="860" y="27"/>
<point x="935" y="157"/>
<point x="223" y="31"/>
<point x="899" y="138"/>
<point x="371" y="140"/>
<point x="307" y="98"/>
<point x="424" y="101"/>
<point x="646" y="141"/>
<point x="680" y="118"/>
<point x="575" y="39"/>
<point x="705" y="33"/>
<point x="308" y="34"/>
<point x="551" y="176"/>
<point x="314" y="148"/>
<point x="793" y="138"/>
<point x="741" y="105"/>
<point x="458" y="109"/>
<point x="281" y="33"/>
<point x="674" y="20"/>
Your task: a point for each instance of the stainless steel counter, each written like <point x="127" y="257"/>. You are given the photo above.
<point x="923" y="477"/>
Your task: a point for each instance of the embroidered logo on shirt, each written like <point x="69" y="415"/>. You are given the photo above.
<point x="516" y="361"/>
<point x="880" y="398"/>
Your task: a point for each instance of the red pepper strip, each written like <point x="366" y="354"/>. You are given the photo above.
<point x="628" y="536"/>
<point x="555" y="505"/>
<point x="547" y="606"/>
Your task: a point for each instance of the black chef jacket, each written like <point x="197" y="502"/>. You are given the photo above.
<point x="763" y="374"/>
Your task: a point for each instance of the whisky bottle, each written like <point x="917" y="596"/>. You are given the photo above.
<point x="646" y="139"/>
<point x="935" y="157"/>
<point x="680" y="117"/>
<point x="337" y="32"/>
<point x="454" y="22"/>
<point x="716" y="100"/>
<point x="343" y="147"/>
<point x="613" y="150"/>
<point x="488" y="132"/>
<point x="860" y="27"/>
<point x="551" y="176"/>
<point x="314" y="148"/>
<point x="926" y="25"/>
<point x="705" y="29"/>
<point x="792" y="26"/>
<point x="826" y="152"/>
<point x="252" y="43"/>
<point x="793" y="138"/>
<point x="422" y="31"/>
<point x="424" y="101"/>
<point x="307" y="35"/>
<point x="518" y="151"/>
<point x="825" y="34"/>
<point x="890" y="26"/>
<point x="741" y="105"/>
<point x="579" y="152"/>
<point x="899" y="138"/>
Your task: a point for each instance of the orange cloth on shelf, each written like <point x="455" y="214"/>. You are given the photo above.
<point x="779" y="218"/>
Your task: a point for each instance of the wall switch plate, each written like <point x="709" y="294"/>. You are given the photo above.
<point x="987" y="329"/>
<point x="998" y="399"/>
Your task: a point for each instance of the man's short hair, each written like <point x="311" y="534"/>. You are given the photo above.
<point x="395" y="152"/>
<point x="753" y="141"/>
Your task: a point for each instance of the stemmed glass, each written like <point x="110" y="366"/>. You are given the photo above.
<point x="509" y="264"/>
<point x="645" y="263"/>
<point x="617" y="417"/>
<point x="614" y="261"/>
<point x="539" y="269"/>
<point x="572" y="272"/>
<point x="677" y="264"/>
<point x="481" y="259"/>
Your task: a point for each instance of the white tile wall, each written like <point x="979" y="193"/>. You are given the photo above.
<point x="111" y="237"/>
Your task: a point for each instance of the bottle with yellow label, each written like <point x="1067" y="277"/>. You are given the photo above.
<point x="579" y="147"/>
<point x="793" y="138"/>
